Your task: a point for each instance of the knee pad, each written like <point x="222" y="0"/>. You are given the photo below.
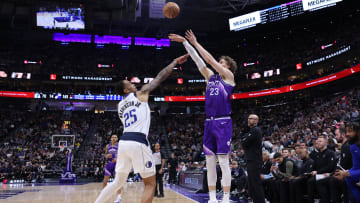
<point x="211" y="169"/>
<point x="225" y="170"/>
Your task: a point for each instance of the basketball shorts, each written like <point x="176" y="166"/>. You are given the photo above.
<point x="136" y="155"/>
<point x="217" y="136"/>
<point x="110" y="169"/>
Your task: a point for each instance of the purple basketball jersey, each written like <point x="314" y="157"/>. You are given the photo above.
<point x="113" y="151"/>
<point x="218" y="125"/>
<point x="218" y="97"/>
<point x="110" y="166"/>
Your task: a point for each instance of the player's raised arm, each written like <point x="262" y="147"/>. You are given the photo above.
<point x="226" y="73"/>
<point x="162" y="75"/>
<point x="206" y="72"/>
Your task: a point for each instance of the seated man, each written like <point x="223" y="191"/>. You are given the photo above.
<point x="283" y="170"/>
<point x="238" y="178"/>
<point x="298" y="184"/>
<point x="265" y="174"/>
<point x="324" y="164"/>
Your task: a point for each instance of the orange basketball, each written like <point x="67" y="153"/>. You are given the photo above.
<point x="171" y="10"/>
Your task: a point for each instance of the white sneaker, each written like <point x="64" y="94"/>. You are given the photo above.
<point x="225" y="201"/>
<point x="118" y="201"/>
<point x="213" y="201"/>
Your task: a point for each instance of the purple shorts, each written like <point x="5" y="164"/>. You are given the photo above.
<point x="110" y="169"/>
<point x="217" y="136"/>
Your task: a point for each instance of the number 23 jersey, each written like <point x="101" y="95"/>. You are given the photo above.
<point x="218" y="97"/>
<point x="134" y="114"/>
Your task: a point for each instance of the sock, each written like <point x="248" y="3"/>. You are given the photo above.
<point x="226" y="196"/>
<point x="212" y="195"/>
<point x="118" y="197"/>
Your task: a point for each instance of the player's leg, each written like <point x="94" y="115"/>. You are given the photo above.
<point x="211" y="176"/>
<point x="108" y="191"/>
<point x="226" y="175"/>
<point x="106" y="180"/>
<point x="223" y="129"/>
<point x="144" y="165"/>
<point x="118" y="198"/>
<point x="209" y="146"/>
<point x="149" y="188"/>
<point x="107" y="174"/>
<point x="123" y="166"/>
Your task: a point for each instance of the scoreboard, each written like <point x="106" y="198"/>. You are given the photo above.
<point x="278" y="13"/>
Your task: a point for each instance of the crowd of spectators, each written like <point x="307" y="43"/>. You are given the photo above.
<point x="291" y="132"/>
<point x="28" y="151"/>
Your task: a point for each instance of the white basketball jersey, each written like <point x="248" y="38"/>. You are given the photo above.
<point x="134" y="114"/>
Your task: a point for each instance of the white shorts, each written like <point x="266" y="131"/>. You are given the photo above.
<point x="132" y="154"/>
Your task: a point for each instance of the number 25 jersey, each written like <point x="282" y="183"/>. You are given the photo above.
<point x="134" y="114"/>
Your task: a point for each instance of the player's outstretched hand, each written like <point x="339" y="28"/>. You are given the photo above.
<point x="190" y="36"/>
<point x="182" y="59"/>
<point x="176" y="38"/>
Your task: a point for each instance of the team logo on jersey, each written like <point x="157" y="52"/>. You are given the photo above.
<point x="148" y="164"/>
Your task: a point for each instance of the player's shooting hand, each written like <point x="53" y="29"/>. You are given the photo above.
<point x="190" y="36"/>
<point x="176" y="38"/>
<point x="109" y="156"/>
<point x="182" y="59"/>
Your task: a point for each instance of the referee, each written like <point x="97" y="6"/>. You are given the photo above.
<point x="251" y="143"/>
<point x="159" y="160"/>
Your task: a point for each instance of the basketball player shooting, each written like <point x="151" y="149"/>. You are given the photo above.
<point x="111" y="154"/>
<point x="133" y="148"/>
<point x="218" y="124"/>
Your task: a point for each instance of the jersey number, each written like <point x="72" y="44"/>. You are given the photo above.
<point x="214" y="91"/>
<point x="128" y="116"/>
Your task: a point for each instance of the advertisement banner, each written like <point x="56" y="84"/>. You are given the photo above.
<point x="17" y="94"/>
<point x="245" y="21"/>
<point x="260" y="93"/>
<point x="314" y="4"/>
<point x="274" y="91"/>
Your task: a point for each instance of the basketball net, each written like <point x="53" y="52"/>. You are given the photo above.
<point x="62" y="147"/>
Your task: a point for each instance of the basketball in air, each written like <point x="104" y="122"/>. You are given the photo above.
<point x="171" y="10"/>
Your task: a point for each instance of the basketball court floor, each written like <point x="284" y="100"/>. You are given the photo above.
<point x="85" y="193"/>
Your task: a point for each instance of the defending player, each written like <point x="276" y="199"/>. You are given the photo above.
<point x="111" y="154"/>
<point x="133" y="149"/>
<point x="218" y="124"/>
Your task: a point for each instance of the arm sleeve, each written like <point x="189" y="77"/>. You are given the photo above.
<point x="289" y="169"/>
<point x="194" y="55"/>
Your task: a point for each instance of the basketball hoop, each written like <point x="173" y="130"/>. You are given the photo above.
<point x="62" y="147"/>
